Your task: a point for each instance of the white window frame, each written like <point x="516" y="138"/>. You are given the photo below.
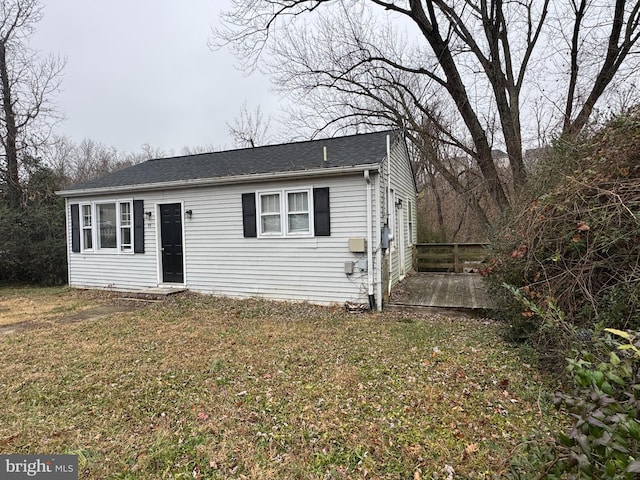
<point x="283" y="195"/>
<point x="309" y="212"/>
<point x="259" y="196"/>
<point x="95" y="227"/>
<point x="84" y="227"/>
<point x="125" y="247"/>
<point x="99" y="223"/>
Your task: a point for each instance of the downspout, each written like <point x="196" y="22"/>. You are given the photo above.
<point x="378" y="241"/>
<point x="67" y="228"/>
<point x="389" y="205"/>
<point x="392" y="228"/>
<point x="372" y="299"/>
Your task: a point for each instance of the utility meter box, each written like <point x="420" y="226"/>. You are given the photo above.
<point x="357" y="245"/>
<point x="386" y="233"/>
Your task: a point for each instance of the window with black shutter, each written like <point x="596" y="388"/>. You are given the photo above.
<point x="286" y="213"/>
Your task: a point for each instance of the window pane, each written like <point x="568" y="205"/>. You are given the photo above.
<point x="107" y="225"/>
<point x="87" y="240"/>
<point x="299" y="222"/>
<point x="86" y="215"/>
<point x="298" y="202"/>
<point x="270" y="223"/>
<point x="125" y="214"/>
<point x="125" y="238"/>
<point x="270" y="203"/>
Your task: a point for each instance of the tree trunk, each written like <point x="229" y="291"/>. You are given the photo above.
<point x="11" y="151"/>
<point x="455" y="86"/>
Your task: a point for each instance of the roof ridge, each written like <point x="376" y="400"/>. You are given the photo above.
<point x="273" y="145"/>
<point x="343" y="152"/>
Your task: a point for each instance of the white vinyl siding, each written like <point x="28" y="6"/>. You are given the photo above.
<point x="410" y="221"/>
<point x="112" y="271"/>
<point x="403" y="188"/>
<point x="218" y="258"/>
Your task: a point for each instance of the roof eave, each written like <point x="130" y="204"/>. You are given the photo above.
<point x="230" y="180"/>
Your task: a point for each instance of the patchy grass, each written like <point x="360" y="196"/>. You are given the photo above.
<point x="201" y="387"/>
<point x="34" y="304"/>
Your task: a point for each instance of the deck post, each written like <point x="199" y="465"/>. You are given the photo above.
<point x="456" y="259"/>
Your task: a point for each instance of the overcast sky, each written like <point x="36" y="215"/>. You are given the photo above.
<point x="140" y="71"/>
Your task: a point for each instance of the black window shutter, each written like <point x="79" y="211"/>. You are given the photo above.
<point x="138" y="226"/>
<point x="321" y="215"/>
<point x="249" y="215"/>
<point x="75" y="228"/>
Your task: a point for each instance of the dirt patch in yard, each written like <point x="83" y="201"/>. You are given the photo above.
<point x="20" y="309"/>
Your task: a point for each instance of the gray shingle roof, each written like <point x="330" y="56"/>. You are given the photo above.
<point x="353" y="150"/>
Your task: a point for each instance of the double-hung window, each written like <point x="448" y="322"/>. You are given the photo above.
<point x="125" y="227"/>
<point x="270" y="214"/>
<point x="87" y="227"/>
<point x="294" y="212"/>
<point x="285" y="213"/>
<point x="298" y="213"/>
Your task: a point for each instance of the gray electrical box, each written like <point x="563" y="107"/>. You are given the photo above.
<point x="357" y="245"/>
<point x="385" y="237"/>
<point x="362" y="265"/>
<point x="348" y="268"/>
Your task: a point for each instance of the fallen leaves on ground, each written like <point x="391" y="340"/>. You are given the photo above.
<point x="203" y="387"/>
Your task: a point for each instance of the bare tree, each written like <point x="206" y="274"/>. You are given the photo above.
<point x="187" y="150"/>
<point x="250" y="129"/>
<point x="481" y="62"/>
<point x="27" y="83"/>
<point x="80" y="162"/>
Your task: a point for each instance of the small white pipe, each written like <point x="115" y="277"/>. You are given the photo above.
<point x="390" y="214"/>
<point x="389" y="202"/>
<point x="69" y="234"/>
<point x="367" y="178"/>
<point x="378" y="241"/>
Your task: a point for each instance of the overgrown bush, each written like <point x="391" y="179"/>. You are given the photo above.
<point x="574" y="243"/>
<point x="603" y="402"/>
<point x="32" y="237"/>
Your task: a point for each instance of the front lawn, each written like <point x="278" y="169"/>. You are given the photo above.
<point x="201" y="387"/>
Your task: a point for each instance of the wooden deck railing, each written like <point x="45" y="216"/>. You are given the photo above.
<point x="449" y="257"/>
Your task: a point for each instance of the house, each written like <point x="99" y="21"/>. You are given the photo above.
<point x="324" y="221"/>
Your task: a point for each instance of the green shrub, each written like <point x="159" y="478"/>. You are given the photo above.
<point x="32" y="237"/>
<point x="604" y="403"/>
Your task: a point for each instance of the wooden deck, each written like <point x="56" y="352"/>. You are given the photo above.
<point x="441" y="290"/>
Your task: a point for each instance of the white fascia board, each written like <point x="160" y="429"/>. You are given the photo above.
<point x="205" y="182"/>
